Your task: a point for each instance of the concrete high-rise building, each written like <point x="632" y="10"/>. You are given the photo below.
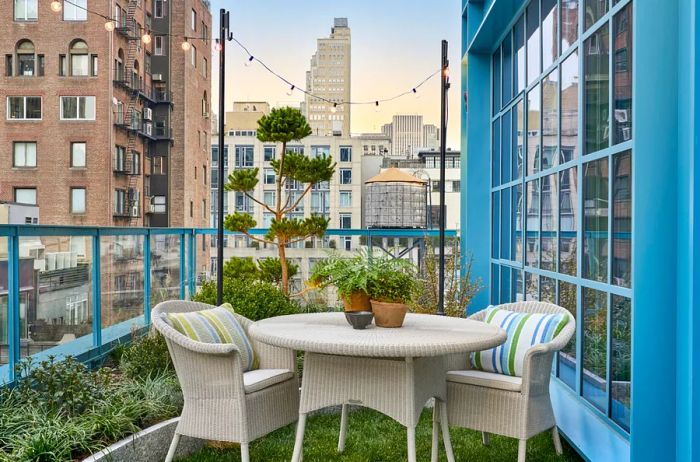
<point x="329" y="78"/>
<point x="99" y="126"/>
<point x="431" y="137"/>
<point x="406" y="135"/>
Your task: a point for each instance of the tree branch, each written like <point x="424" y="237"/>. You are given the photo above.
<point x="255" y="238"/>
<point x="258" y="202"/>
<point x="306" y="191"/>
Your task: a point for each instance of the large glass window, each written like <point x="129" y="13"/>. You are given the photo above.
<point x="533" y="41"/>
<point x="244" y="156"/>
<point x="24" y="107"/>
<point x="597" y="90"/>
<point x="595" y="220"/>
<point x="622" y="75"/>
<point x="79" y="59"/>
<point x="550" y="120"/>
<point x="569" y="23"/>
<point x="505" y="147"/>
<point x="595" y="347"/>
<point x="507" y="69"/>
<point x="594" y="10"/>
<point x="77" y="108"/>
<point x="496" y="81"/>
<point x="621" y="390"/>
<point x="569" y="117"/>
<point x="25" y="196"/>
<point x="622" y="220"/>
<point x="550" y="41"/>
<point x="519" y="56"/>
<point x="533" y="130"/>
<point x="568" y="221"/>
<point x="75" y="10"/>
<point x="26" y="10"/>
<point x="24" y="154"/>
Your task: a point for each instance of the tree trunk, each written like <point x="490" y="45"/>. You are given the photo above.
<point x="283" y="264"/>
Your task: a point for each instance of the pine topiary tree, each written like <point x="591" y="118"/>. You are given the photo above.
<point x="283" y="125"/>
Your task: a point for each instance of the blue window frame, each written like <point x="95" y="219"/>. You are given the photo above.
<point x="346" y="153"/>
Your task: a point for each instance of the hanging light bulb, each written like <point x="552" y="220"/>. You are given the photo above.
<point x="56" y="6"/>
<point x="376" y="106"/>
<point x="291" y="90"/>
<point x="186" y="45"/>
<point x="146" y="38"/>
<point x="446" y="72"/>
<point x="218" y="46"/>
<point x="109" y="26"/>
<point x="334" y="109"/>
<point x="249" y="61"/>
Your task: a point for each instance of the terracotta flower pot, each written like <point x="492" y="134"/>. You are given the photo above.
<point x="389" y="314"/>
<point x="357" y="301"/>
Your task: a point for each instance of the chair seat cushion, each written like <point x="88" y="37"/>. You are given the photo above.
<point x="486" y="379"/>
<point x="262" y="378"/>
<point x="215" y="325"/>
<point x="524" y="330"/>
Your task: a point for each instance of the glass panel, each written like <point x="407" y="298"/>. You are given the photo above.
<point x="594" y="10"/>
<point x="548" y="289"/>
<point x="550" y="119"/>
<point x="519" y="56"/>
<point x="595" y="347"/>
<point x="533" y="130"/>
<point x="622" y="220"/>
<point x="518" y="289"/>
<point x="569" y="23"/>
<point x="568" y="220"/>
<point x="495" y="225"/>
<point x="505" y="224"/>
<point x="550" y="40"/>
<point x="567" y="356"/>
<point x="518" y="140"/>
<point x="621" y="380"/>
<point x="495" y="285"/>
<point x="55" y="293"/>
<point x="505" y="285"/>
<point x="622" y="79"/>
<point x="121" y="260"/>
<point x="496" y="80"/>
<point x="550" y="213"/>
<point x="188" y="263"/>
<point x="4" y="349"/>
<point x="532" y="290"/>
<point x="505" y="147"/>
<point x="596" y="91"/>
<point x="533" y="41"/>
<point x="165" y="268"/>
<point x="595" y="220"/>
<point x="517" y="251"/>
<point x="569" y="108"/>
<point x="507" y="75"/>
<point x="533" y="223"/>
<point x="496" y="153"/>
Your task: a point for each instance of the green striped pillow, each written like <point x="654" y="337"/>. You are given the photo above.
<point x="524" y="330"/>
<point x="216" y="325"/>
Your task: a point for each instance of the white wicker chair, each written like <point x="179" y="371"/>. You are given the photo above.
<point x="221" y="402"/>
<point x="510" y="406"/>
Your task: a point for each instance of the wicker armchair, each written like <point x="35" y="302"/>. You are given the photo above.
<point x="518" y="407"/>
<point x="221" y="402"/>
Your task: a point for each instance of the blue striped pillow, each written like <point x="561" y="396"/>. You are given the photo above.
<point x="524" y="330"/>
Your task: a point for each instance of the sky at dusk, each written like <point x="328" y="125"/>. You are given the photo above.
<point x="395" y="45"/>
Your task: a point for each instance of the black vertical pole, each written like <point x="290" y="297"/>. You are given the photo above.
<point x="223" y="37"/>
<point x="443" y="143"/>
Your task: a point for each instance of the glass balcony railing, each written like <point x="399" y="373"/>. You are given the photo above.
<point x="79" y="290"/>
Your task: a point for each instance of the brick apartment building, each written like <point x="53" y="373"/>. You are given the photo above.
<point x="99" y="127"/>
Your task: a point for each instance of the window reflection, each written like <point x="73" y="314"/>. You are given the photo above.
<point x="621" y="386"/>
<point x="495" y="225"/>
<point x="518" y="137"/>
<point x="549" y="33"/>
<point x="568" y="200"/>
<point x="567" y="356"/>
<point x="505" y="224"/>
<point x="550" y="119"/>
<point x="622" y="78"/>
<point x="507" y="69"/>
<point x="548" y="290"/>
<point x="569" y="23"/>
<point x="569" y="108"/>
<point x="532" y="291"/>
<point x="519" y="55"/>
<point x="495" y="286"/>
<point x="496" y="153"/>
<point x="622" y="220"/>
<point x="496" y="70"/>
<point x="505" y="147"/>
<point x="595" y="220"/>
<point x="533" y="223"/>
<point x="594" y="10"/>
<point x="595" y="347"/>
<point x="518" y="223"/>
<point x="596" y="90"/>
<point x="533" y="41"/>
<point x="550" y="212"/>
<point x="518" y="289"/>
<point x="533" y="130"/>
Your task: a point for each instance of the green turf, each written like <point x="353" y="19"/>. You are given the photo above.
<point x="373" y="437"/>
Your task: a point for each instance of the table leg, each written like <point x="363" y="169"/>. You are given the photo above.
<point x="436" y="421"/>
<point x="299" y="441"/>
<point x="445" y="430"/>
<point x="411" y="437"/>
<point x="343" y="427"/>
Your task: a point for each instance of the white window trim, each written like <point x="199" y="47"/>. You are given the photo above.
<point x="14" y="154"/>
<point x="7" y="103"/>
<point x="76" y="119"/>
<point x="72" y="208"/>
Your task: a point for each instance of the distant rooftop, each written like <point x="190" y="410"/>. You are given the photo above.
<point x="340" y="22"/>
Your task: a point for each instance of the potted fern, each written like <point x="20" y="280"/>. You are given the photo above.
<point x="350" y="275"/>
<point x="391" y="291"/>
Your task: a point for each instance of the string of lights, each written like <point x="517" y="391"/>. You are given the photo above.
<point x="112" y="23"/>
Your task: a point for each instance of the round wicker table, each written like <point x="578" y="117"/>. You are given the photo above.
<point x="394" y="371"/>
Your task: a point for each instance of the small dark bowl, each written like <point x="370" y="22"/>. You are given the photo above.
<point x="359" y="319"/>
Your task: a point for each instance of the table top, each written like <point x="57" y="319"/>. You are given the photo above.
<point x="421" y="335"/>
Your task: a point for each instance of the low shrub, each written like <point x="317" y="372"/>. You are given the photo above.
<point x="147" y="356"/>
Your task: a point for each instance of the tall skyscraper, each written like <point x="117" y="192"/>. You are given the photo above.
<point x="406" y="135"/>
<point x="431" y="137"/>
<point x="99" y="126"/>
<point x="329" y="77"/>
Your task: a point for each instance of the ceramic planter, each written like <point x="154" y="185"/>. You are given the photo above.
<point x="389" y="314"/>
<point x="357" y="301"/>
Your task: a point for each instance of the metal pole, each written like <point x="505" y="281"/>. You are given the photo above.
<point x="443" y="143"/>
<point x="224" y="36"/>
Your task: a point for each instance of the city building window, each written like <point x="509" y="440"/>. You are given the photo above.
<point x="204" y="176"/>
<point x="79" y="59"/>
<point x="194" y="20"/>
<point x="205" y="31"/>
<point x="244" y="156"/>
<point x="159" y="204"/>
<point x="346" y="154"/>
<point x="119" y="159"/>
<point x="191" y="209"/>
<point x="26" y="10"/>
<point x="75" y="10"/>
<point x="77" y="108"/>
<point x="296" y="149"/>
<point x="193" y="56"/>
<point x="318" y="151"/>
<point x="159" y="45"/>
<point x="119" y="202"/>
<point x="147" y="63"/>
<point x="205" y="67"/>
<point x="345" y="221"/>
<point x="135" y="167"/>
<point x="77" y="200"/>
<point x="24" y="107"/>
<point x="346" y="198"/>
<point x="93" y="64"/>
<point x="159" y="165"/>
<point x="347" y="243"/>
<point x="77" y="154"/>
<point x="24" y="154"/>
<point x="456" y="185"/>
<point x="205" y="106"/>
<point x="25" y="196"/>
<point x="204" y="208"/>
<point x="26" y="59"/>
<point x="269" y="153"/>
<point x="269" y="176"/>
<point x="269" y="198"/>
<point x="345" y="176"/>
<point x="159" y="8"/>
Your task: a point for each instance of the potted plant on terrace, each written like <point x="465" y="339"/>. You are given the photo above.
<point x="350" y="275"/>
<point x="391" y="290"/>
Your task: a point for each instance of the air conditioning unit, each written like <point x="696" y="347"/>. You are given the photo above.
<point x="147" y="113"/>
<point x="151" y="208"/>
<point x="148" y="129"/>
<point x="621" y="115"/>
<point x="135" y="211"/>
<point x="157" y="77"/>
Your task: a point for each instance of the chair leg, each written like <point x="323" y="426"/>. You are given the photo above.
<point x="557" y="441"/>
<point x="486" y="438"/>
<point x="245" y="455"/>
<point x="299" y="441"/>
<point x="343" y="427"/>
<point x="446" y="432"/>
<point x="173" y="448"/>
<point x="436" y="431"/>
<point x="522" y="450"/>
<point x="411" y="440"/>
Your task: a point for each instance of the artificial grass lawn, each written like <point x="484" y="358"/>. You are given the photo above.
<point x="373" y="437"/>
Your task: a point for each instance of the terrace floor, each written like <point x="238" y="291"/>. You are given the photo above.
<point x="373" y="437"/>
